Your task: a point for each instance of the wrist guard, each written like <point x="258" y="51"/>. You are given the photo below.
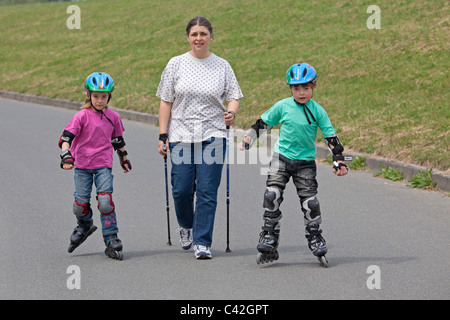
<point x="255" y="132"/>
<point x="338" y="166"/>
<point x="123" y="162"/>
<point x="66" y="157"/>
<point x="335" y="146"/>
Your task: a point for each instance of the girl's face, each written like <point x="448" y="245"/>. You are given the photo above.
<point x="99" y="99"/>
<point x="302" y="93"/>
<point x="199" y="38"/>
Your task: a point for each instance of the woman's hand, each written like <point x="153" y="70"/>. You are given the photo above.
<point x="162" y="147"/>
<point x="229" y="118"/>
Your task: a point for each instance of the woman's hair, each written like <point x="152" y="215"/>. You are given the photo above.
<point x="199" y="21"/>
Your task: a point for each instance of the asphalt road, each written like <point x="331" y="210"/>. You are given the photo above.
<point x="380" y="233"/>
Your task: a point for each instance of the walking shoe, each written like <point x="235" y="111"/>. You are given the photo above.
<point x="202" y="252"/>
<point x="185" y="238"/>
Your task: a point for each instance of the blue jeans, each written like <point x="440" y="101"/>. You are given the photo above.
<point x="197" y="170"/>
<point x="103" y="180"/>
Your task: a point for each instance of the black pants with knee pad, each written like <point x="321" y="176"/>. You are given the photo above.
<point x="303" y="174"/>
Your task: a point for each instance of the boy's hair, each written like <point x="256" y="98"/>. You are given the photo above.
<point x="312" y="84"/>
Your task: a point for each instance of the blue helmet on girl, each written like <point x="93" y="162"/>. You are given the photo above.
<point x="301" y="73"/>
<point x="99" y="82"/>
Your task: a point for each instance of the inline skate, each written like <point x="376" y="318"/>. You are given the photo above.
<point x="317" y="243"/>
<point x="81" y="232"/>
<point x="113" y="247"/>
<point x="268" y="242"/>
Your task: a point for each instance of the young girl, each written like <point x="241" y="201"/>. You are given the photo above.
<point x="87" y="144"/>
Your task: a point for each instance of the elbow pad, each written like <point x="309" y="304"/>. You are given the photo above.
<point x="66" y="137"/>
<point x="118" y="143"/>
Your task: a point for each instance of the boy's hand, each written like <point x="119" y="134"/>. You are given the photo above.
<point x="340" y="168"/>
<point x="245" y="144"/>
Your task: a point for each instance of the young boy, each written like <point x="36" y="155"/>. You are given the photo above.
<point x="294" y="156"/>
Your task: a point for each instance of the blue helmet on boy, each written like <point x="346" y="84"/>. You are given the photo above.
<point x="301" y="73"/>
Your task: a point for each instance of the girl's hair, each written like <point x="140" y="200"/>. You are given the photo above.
<point x="202" y="22"/>
<point x="87" y="103"/>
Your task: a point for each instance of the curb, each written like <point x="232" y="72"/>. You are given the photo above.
<point x="126" y="114"/>
<point x="409" y="170"/>
<point x="373" y="163"/>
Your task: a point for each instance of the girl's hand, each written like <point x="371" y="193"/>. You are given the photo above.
<point x="67" y="166"/>
<point x="126" y="168"/>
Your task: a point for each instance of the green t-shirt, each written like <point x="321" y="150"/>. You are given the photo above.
<point x="297" y="136"/>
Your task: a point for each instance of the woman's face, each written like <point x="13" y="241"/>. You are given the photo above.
<point x="199" y="39"/>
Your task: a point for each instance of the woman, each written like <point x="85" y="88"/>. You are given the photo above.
<point x="192" y="123"/>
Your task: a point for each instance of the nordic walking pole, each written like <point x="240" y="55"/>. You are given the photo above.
<point x="228" y="192"/>
<point x="167" y="197"/>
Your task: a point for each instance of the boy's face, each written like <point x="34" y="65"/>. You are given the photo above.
<point x="99" y="99"/>
<point x="302" y="93"/>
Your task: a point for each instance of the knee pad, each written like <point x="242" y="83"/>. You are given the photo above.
<point x="105" y="203"/>
<point x="81" y="209"/>
<point x="311" y="210"/>
<point x="273" y="197"/>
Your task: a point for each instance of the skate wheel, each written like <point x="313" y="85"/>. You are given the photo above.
<point x="259" y="258"/>
<point x="116" y="255"/>
<point x="323" y="261"/>
<point x="119" y="255"/>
